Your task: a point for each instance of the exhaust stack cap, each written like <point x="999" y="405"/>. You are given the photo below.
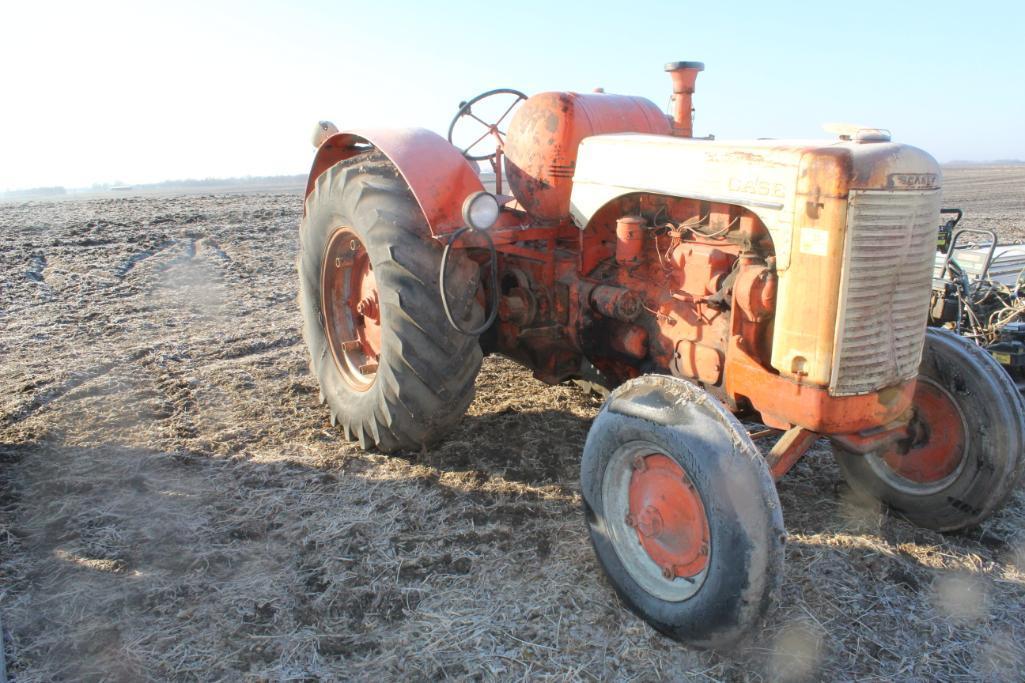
<point x="697" y="66"/>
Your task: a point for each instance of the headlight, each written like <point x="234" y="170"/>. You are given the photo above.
<point x="480" y="210"/>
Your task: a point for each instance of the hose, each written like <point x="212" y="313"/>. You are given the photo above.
<point x="493" y="263"/>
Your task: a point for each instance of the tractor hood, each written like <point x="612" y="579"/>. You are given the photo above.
<point x="772" y="178"/>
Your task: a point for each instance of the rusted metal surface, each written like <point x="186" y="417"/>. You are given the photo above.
<point x="616" y="302"/>
<point x="518" y="307"/>
<point x="629" y="239"/>
<point x="630" y="340"/>
<point x="545" y="132"/>
<point x="699" y="361"/>
<point x="794" y="443"/>
<point x="783" y="402"/>
<point x="351" y="309"/>
<point x="755" y="289"/>
<point x="672" y="285"/>
<point x="439" y="177"/>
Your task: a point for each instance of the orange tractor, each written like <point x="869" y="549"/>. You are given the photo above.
<point x="700" y="280"/>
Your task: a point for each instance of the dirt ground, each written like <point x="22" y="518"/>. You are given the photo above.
<point x="175" y="505"/>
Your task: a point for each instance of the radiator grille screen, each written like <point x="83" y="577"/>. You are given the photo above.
<point x="884" y="295"/>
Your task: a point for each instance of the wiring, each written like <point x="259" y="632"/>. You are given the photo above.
<point x="493" y="263"/>
<point x="717" y="233"/>
<point x="676" y="231"/>
<point x="986" y="307"/>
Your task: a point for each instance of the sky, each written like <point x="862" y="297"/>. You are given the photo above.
<point x="136" y="92"/>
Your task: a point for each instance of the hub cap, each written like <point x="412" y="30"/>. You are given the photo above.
<point x="657" y="521"/>
<point x="934" y="451"/>
<point x="351" y="309"/>
<point x="668" y="516"/>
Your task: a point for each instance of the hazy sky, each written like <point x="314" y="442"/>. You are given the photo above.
<point x="140" y="91"/>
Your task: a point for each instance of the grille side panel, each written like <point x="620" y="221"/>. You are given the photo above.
<point x="885" y="288"/>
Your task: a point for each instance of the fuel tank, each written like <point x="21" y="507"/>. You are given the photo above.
<point x="541" y="145"/>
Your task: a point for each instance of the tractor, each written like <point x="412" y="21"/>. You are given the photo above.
<point x="699" y="281"/>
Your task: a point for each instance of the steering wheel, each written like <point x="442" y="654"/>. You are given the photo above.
<point x="491" y="129"/>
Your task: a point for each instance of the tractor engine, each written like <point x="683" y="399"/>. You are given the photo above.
<point x="791" y="278"/>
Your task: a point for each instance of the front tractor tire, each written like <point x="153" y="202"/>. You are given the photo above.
<point x="965" y="454"/>
<point x="392" y="370"/>
<point x="682" y="512"/>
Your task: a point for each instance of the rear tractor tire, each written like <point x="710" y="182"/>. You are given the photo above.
<point x="965" y="455"/>
<point x="682" y="512"/>
<point x="393" y="371"/>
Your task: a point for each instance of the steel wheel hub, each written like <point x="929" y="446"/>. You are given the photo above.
<point x="351" y="309"/>
<point x="668" y="516"/>
<point x="657" y="521"/>
<point x="937" y="441"/>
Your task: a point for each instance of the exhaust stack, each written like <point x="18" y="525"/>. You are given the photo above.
<point x="683" y="74"/>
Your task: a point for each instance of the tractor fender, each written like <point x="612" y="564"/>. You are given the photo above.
<point x="437" y="174"/>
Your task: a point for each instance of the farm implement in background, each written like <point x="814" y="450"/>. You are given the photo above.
<point x="787" y="282"/>
<point x="979" y="292"/>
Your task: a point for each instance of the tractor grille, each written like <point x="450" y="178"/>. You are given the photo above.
<point x="884" y="293"/>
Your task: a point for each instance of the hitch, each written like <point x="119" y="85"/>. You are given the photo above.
<point x="794" y="443"/>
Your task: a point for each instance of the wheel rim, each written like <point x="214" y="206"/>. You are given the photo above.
<point x="351" y="309"/>
<point x="934" y="453"/>
<point x="657" y="521"/>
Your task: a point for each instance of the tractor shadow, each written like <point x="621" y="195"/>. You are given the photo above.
<point x="820" y="511"/>
<point x="119" y="558"/>
<point x="532" y="448"/>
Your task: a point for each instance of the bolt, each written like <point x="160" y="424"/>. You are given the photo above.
<point x="353" y="245"/>
<point x="650" y="522"/>
<point x="367" y="307"/>
<point x="338" y="262"/>
<point x="630" y="520"/>
<point x="669" y="572"/>
<point x="704" y="548"/>
<point x="639" y="463"/>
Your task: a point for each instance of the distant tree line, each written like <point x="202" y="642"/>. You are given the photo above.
<point x="225" y="182"/>
<point x="187" y="183"/>
<point x="33" y="192"/>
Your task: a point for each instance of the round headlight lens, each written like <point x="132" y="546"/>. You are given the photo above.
<point x="480" y="210"/>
